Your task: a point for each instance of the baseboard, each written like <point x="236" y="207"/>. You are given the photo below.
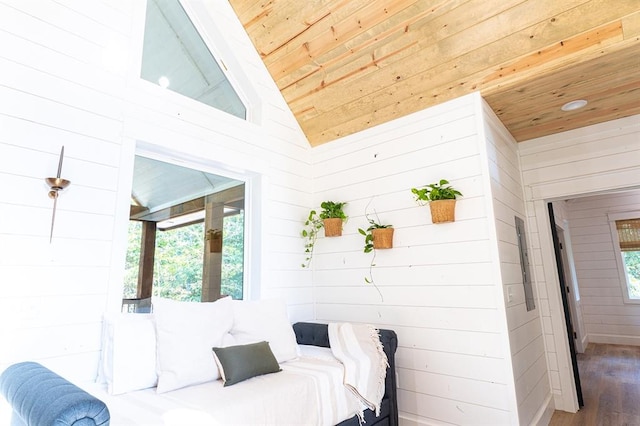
<point x="542" y="417"/>
<point x="614" y="339"/>
<point x="544" y="414"/>
<point x="585" y="341"/>
<point x="405" y="419"/>
<point x="558" y="400"/>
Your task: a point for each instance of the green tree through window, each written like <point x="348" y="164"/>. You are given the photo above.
<point x="632" y="266"/>
<point x="233" y="255"/>
<point x="132" y="262"/>
<point x="177" y="272"/>
<point x="178" y="262"/>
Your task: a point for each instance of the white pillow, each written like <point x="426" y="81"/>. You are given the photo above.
<point x="128" y="352"/>
<point x="255" y="321"/>
<point x="186" y="332"/>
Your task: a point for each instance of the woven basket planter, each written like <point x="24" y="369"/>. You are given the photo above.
<point x="382" y="238"/>
<point x="215" y="240"/>
<point x="442" y="211"/>
<point x="332" y="227"/>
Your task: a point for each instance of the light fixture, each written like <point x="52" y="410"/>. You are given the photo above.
<point x="573" y="105"/>
<point x="163" y="82"/>
<point x="56" y="185"/>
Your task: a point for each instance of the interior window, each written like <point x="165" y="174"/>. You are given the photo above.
<point x="628" y="232"/>
<point x="186" y="235"/>
<point x="175" y="57"/>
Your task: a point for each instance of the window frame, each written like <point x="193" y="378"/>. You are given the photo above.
<point x="252" y="210"/>
<point x="226" y="57"/>
<point x="622" y="270"/>
<point x="222" y="53"/>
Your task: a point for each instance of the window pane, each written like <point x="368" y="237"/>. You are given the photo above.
<point x="177" y="272"/>
<point x="175" y="56"/>
<point x="177" y="204"/>
<point x="233" y="255"/>
<point x="632" y="268"/>
<point x="132" y="264"/>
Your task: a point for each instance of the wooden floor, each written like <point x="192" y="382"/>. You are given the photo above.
<point x="610" y="377"/>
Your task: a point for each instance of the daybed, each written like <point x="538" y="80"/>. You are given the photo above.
<point x="306" y="387"/>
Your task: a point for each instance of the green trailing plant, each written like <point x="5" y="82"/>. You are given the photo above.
<point x="369" y="247"/>
<point x="314" y="224"/>
<point x="436" y="191"/>
<point x="368" y="234"/>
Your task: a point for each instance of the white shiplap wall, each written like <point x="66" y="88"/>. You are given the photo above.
<point x="584" y="161"/>
<point x="607" y="318"/>
<point x="55" y="91"/>
<point x="533" y="391"/>
<point x="440" y="284"/>
<point x="68" y="77"/>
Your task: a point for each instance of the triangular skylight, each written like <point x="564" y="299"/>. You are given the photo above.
<point x="175" y="56"/>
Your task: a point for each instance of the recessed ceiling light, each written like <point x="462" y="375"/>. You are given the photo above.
<point x="573" y="105"/>
<point x="163" y="82"/>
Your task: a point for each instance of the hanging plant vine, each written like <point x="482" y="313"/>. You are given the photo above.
<point x="369" y="246"/>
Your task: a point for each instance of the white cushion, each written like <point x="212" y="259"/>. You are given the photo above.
<point x="128" y="352"/>
<point x="186" y="332"/>
<point x="255" y="321"/>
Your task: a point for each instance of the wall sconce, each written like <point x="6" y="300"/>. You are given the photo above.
<point x="56" y="185"/>
<point x="214" y="236"/>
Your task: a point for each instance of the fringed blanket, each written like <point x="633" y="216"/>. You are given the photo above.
<point x="359" y="349"/>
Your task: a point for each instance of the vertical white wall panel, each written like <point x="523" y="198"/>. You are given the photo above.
<point x="532" y="387"/>
<point x="54" y="294"/>
<point x="439" y="285"/>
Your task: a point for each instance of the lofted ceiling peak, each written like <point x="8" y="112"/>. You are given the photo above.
<point x="346" y="65"/>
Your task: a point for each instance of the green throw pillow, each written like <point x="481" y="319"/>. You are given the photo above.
<point x="242" y="362"/>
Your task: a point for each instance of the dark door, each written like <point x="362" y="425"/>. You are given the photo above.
<point x="565" y="303"/>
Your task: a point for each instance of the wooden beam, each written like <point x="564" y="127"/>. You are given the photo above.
<point x="137" y="211"/>
<point x="147" y="259"/>
<point x="214" y="219"/>
<point x="164" y="214"/>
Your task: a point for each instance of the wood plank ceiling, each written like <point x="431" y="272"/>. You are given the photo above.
<point x="346" y="65"/>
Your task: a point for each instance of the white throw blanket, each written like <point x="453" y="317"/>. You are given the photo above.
<point x="307" y="392"/>
<point x="359" y="349"/>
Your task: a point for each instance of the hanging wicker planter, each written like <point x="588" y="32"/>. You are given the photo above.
<point x="215" y="240"/>
<point x="382" y="238"/>
<point x="442" y="211"/>
<point x="332" y="227"/>
<point x="441" y="198"/>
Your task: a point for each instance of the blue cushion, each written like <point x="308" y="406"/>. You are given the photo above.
<point x="41" y="397"/>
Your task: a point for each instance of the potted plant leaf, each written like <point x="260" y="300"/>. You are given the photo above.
<point x="441" y="198"/>
<point x="330" y="218"/>
<point x="376" y="236"/>
<point x="332" y="215"/>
